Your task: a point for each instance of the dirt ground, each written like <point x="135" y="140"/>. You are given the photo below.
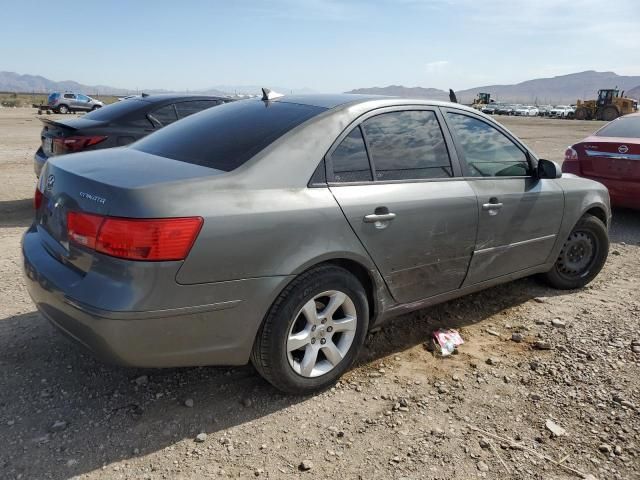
<point x="401" y="413"/>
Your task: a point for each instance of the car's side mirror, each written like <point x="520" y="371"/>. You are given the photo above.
<point x="548" y="169"/>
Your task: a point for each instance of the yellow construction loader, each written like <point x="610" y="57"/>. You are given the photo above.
<point x="608" y="106"/>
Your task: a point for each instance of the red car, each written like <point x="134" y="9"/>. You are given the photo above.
<point x="611" y="156"/>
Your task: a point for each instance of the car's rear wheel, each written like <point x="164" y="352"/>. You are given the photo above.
<point x="313" y="331"/>
<point x="63" y="109"/>
<point x="582" y="256"/>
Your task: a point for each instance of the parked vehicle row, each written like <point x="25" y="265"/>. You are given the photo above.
<point x="281" y="230"/>
<point x="559" y="111"/>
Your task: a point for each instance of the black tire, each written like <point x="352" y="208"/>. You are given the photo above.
<point x="63" y="109"/>
<point x="95" y="107"/>
<point x="610" y="112"/>
<point x="582" y="113"/>
<point x="582" y="256"/>
<point x="270" y="356"/>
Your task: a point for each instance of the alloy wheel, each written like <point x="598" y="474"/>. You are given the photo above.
<point x="321" y="333"/>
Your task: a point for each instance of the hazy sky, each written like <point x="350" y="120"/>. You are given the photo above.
<point x="325" y="45"/>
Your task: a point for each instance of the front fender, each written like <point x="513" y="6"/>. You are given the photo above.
<point x="581" y="196"/>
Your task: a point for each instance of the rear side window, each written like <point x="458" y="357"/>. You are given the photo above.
<point x="350" y="161"/>
<point x="627" y="127"/>
<point x="189" y="108"/>
<point x="227" y="136"/>
<point x="69" y="95"/>
<point x="117" y="110"/>
<point x="487" y="151"/>
<point x="164" y="116"/>
<point x="407" y="145"/>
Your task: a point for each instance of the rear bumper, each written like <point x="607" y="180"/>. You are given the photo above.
<point x="218" y="330"/>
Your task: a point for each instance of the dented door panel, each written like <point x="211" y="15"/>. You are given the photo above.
<point x="522" y="232"/>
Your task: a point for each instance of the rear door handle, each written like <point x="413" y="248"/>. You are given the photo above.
<point x="379" y="217"/>
<point x="492" y="206"/>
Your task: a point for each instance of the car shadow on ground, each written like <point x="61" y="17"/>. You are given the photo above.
<point x="63" y="413"/>
<point x="110" y="413"/>
<point x="16" y="213"/>
<point x="625" y="226"/>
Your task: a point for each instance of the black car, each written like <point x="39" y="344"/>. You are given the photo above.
<point x="117" y="124"/>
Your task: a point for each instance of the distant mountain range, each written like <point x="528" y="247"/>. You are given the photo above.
<point x="560" y="89"/>
<point x="14" y="82"/>
<point x="633" y="93"/>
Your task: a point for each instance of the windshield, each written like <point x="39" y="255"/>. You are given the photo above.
<point x="626" y="127"/>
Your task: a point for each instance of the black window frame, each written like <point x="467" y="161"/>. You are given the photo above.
<point x="448" y="140"/>
<point x="157" y="123"/>
<point x="464" y="166"/>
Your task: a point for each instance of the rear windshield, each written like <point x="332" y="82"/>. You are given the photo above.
<point x="116" y="110"/>
<point x="227" y="136"/>
<point x="628" y="127"/>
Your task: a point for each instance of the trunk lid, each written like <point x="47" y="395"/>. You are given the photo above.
<point x="52" y="129"/>
<point x="118" y="182"/>
<point x="610" y="157"/>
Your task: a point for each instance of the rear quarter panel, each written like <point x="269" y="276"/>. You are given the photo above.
<point x="269" y="232"/>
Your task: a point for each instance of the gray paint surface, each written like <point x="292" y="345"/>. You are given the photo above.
<point x="263" y="225"/>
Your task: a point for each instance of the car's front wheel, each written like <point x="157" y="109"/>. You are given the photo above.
<point x="313" y="331"/>
<point x="582" y="256"/>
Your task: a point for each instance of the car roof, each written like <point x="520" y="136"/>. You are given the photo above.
<point x="165" y="97"/>
<point x="344" y="100"/>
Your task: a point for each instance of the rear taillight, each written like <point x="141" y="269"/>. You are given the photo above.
<point x="37" y="199"/>
<point x="83" y="228"/>
<point x="76" y="143"/>
<point x="133" y="238"/>
<point x="570" y="155"/>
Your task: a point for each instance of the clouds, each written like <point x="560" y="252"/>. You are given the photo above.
<point x="437" y="67"/>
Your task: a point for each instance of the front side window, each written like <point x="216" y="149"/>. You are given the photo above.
<point x="486" y="151"/>
<point x="350" y="161"/>
<point x="407" y="145"/>
<point x="164" y="115"/>
<point x="83" y="98"/>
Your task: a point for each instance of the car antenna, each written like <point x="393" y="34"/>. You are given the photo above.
<point x="268" y="94"/>
<point x="452" y="96"/>
<point x="144" y="95"/>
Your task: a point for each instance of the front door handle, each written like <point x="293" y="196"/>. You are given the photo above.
<point x="492" y="206"/>
<point x="379" y="217"/>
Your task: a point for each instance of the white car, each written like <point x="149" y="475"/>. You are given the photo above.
<point x="562" y="111"/>
<point x="527" y="111"/>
